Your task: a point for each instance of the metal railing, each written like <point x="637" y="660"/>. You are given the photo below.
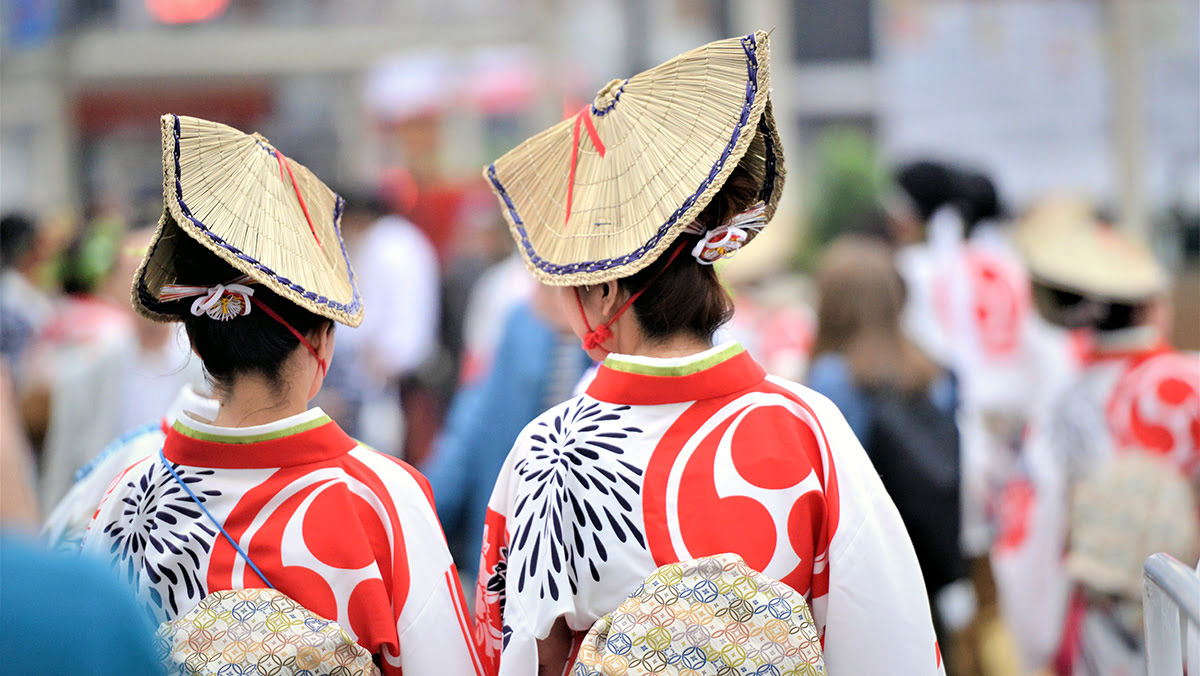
<point x="1171" y="604"/>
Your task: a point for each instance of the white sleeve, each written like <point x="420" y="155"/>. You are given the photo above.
<point x="877" y="620"/>
<point x="434" y="628"/>
<point x="403" y="289"/>
<point x="876" y="615"/>
<point x="1027" y="559"/>
<point x="430" y="645"/>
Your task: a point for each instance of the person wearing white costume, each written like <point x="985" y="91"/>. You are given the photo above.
<point x="679" y="448"/>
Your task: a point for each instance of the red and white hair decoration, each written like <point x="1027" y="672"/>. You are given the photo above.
<point x="221" y="302"/>
<point x="725" y="239"/>
<point x="233" y="299"/>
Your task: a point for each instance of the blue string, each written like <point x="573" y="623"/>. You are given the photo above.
<point x="212" y="518"/>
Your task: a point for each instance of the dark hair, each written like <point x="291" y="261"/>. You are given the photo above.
<point x="18" y="233"/>
<point x="976" y="199"/>
<point x="254" y="343"/>
<point x="686" y="296"/>
<point x="1073" y="310"/>
<point x="928" y="184"/>
<point x="932" y="185"/>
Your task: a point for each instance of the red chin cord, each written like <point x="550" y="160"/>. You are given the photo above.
<point x="300" y="337"/>
<point x="595" y="338"/>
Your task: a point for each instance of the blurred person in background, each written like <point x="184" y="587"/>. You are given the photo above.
<point x="500" y="289"/>
<point x="107" y="371"/>
<point x="901" y="406"/>
<point x="75" y="371"/>
<point x="679" y="448"/>
<point x="24" y="305"/>
<point x="269" y="492"/>
<point x="67" y="523"/>
<point x="481" y="242"/>
<point x="1135" y="395"/>
<point x="397" y="271"/>
<point x="969" y="308"/>
<point x="158" y="362"/>
<point x="535" y="367"/>
<point x="59" y="614"/>
<point x="160" y="379"/>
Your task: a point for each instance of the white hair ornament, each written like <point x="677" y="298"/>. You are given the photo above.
<point x="725" y="239"/>
<point x="221" y="302"/>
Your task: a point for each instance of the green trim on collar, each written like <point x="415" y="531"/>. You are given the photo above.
<point x="617" y="364"/>
<point x="251" y="438"/>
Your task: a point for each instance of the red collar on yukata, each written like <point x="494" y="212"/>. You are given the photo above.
<point x="301" y="439"/>
<point x="721" y="371"/>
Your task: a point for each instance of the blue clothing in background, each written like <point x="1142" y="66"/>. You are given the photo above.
<point x="829" y="374"/>
<point x="484" y="421"/>
<point x="65" y="614"/>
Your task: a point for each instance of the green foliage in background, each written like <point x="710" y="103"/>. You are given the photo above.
<point x="846" y="189"/>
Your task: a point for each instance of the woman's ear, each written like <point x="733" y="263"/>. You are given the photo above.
<point x="322" y="340"/>
<point x="609" y="297"/>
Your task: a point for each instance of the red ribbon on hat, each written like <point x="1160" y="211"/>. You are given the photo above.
<point x="584" y="116"/>
<point x="595" y="338"/>
<point x="299" y="336"/>
<point x="283" y="163"/>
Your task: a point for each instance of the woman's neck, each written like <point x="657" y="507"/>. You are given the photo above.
<point x="681" y="345"/>
<point x="254" y="401"/>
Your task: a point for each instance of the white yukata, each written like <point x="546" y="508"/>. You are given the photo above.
<point x="971" y="310"/>
<point x="1145" y="398"/>
<point x="665" y="460"/>
<point x="349" y="533"/>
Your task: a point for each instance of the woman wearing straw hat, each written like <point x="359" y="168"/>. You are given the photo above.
<point x="679" y="448"/>
<point x="271" y="493"/>
<point x="1134" y="396"/>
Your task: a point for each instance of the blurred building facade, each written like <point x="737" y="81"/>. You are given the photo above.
<point x="1098" y="96"/>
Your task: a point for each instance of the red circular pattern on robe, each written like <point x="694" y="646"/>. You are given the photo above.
<point x="299" y="581"/>
<point x="1000" y="303"/>
<point x="1014" y="515"/>
<point x="306" y="527"/>
<point x="1156" y="406"/>
<point x="363" y="609"/>
<point x="750" y="474"/>
<point x="325" y="522"/>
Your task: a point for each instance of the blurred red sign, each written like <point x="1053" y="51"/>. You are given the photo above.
<point x="186" y="11"/>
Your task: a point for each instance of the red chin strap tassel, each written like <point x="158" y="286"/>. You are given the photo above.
<point x="299" y="336"/>
<point x="595" y="338"/>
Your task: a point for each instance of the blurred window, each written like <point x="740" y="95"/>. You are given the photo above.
<point x="831" y="31"/>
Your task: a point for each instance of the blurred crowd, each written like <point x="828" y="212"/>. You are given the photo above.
<point x="1023" y="405"/>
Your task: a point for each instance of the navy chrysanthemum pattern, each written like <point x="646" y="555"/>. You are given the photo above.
<point x="575" y="492"/>
<point x="158" y="517"/>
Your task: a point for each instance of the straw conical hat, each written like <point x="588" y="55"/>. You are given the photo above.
<point x="234" y="193"/>
<point x="1068" y="248"/>
<point x="671" y="137"/>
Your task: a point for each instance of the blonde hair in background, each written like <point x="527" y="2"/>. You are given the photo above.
<point x="861" y="296"/>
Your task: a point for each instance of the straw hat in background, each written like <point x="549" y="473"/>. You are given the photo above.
<point x="1086" y="273"/>
<point x="1066" y="246"/>
<point x="602" y="194"/>
<point x="266" y="215"/>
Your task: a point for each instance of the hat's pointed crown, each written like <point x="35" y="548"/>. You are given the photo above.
<point x="602" y="194"/>
<point x="264" y="214"/>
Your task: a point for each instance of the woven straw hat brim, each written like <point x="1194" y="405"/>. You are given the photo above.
<point x="672" y="136"/>
<point x="1066" y="248"/>
<point x="228" y="191"/>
